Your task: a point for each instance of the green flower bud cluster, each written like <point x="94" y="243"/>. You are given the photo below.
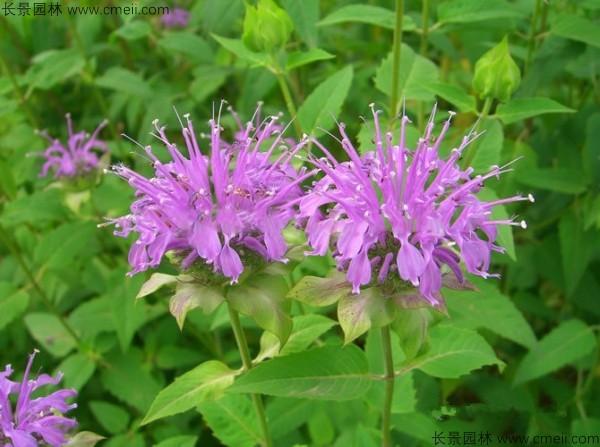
<point x="266" y="26"/>
<point x="496" y="74"/>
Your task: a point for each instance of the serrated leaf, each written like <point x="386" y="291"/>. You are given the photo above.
<point x="203" y="383"/>
<point x="63" y="244"/>
<point x="564" y="180"/>
<point x="328" y="373"/>
<point x="237" y="47"/>
<point x="189" y="295"/>
<point x="325" y="102"/>
<point x="454" y="94"/>
<point x="13" y="303"/>
<point x="54" y="66"/>
<point x="467" y="11"/>
<point x="125" y="81"/>
<point x="567" y="343"/>
<point x="48" y="331"/>
<point x="520" y="108"/>
<point x="113" y="418"/>
<point x="187" y="43"/>
<point x="300" y="58"/>
<point x="304" y="15"/>
<point x="455" y="352"/>
<point x="576" y="28"/>
<point x="320" y="292"/>
<point x="373" y="15"/>
<point x="415" y="70"/>
<point x="262" y="298"/>
<point x="358" y="313"/>
<point x="577" y="247"/>
<point x="179" y="441"/>
<point x="233" y="420"/>
<point x="156" y="281"/>
<point x="43" y="206"/>
<point x="488" y="308"/>
<point x="306" y="329"/>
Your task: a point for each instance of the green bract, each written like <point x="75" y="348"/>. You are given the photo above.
<point x="496" y="74"/>
<point x="266" y="26"/>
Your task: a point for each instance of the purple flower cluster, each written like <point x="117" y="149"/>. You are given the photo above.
<point x="35" y="421"/>
<point x="175" y="18"/>
<point x="216" y="208"/>
<point x="399" y="217"/>
<point x="78" y="158"/>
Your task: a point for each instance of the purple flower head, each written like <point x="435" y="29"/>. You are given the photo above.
<point x="34" y="421"/>
<point x="78" y="158"/>
<point x="221" y="208"/>
<point x="397" y="217"/>
<point x="175" y="18"/>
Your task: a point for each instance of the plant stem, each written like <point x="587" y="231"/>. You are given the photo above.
<point x="425" y="28"/>
<point x="389" y="386"/>
<point x="242" y="344"/>
<point x="485" y="111"/>
<point x="47" y="302"/>
<point x="289" y="102"/>
<point x="532" y="38"/>
<point x="396" y="58"/>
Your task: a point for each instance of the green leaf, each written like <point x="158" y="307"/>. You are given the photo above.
<point x="304" y="15"/>
<point x="307" y="329"/>
<point x="191" y="45"/>
<point x="233" y="420"/>
<point x="287" y="414"/>
<point x="207" y="80"/>
<point x="85" y="439"/>
<point x="373" y="15"/>
<point x="358" y="313"/>
<point x="415" y="70"/>
<point x="113" y="418"/>
<point x="455" y="352"/>
<point x="134" y="30"/>
<point x="62" y="245"/>
<point x="488" y="308"/>
<point x="521" y="108"/>
<point x="205" y="382"/>
<point x="320" y="292"/>
<point x="577" y="247"/>
<point x="489" y="147"/>
<point x="567" y="343"/>
<point x="41" y="207"/>
<point x="505" y="232"/>
<point x="467" y="11"/>
<point x="13" y="303"/>
<point x="156" y="281"/>
<point x="576" y="28"/>
<point x="47" y="330"/>
<point x="78" y="369"/>
<point x="189" y="295"/>
<point x="128" y="381"/>
<point x="179" y="441"/>
<point x="93" y="317"/>
<point x="300" y="58"/>
<point x="262" y="298"/>
<point x="7" y="106"/>
<point x="53" y="67"/>
<point x="328" y="373"/>
<point x="237" y="47"/>
<point x="324" y="101"/>
<point x="124" y="81"/>
<point x="454" y="94"/>
<point x="564" y="180"/>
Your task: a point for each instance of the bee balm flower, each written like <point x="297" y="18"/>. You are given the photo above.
<point x="34" y="421"/>
<point x="217" y="208"/>
<point x="396" y="216"/>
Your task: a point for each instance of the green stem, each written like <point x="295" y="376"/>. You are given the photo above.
<point x="485" y="111"/>
<point x="425" y="28"/>
<point x="389" y="386"/>
<point x="532" y="38"/>
<point x="242" y="344"/>
<point x="396" y="58"/>
<point x="47" y="302"/>
<point x="289" y="102"/>
<point x="23" y="101"/>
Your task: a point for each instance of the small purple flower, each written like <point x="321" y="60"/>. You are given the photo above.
<point x="175" y="18"/>
<point x="35" y="421"/>
<point x="398" y="217"/>
<point x="78" y="158"/>
<point x="219" y="208"/>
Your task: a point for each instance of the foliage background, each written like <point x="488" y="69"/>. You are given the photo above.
<point x="541" y="318"/>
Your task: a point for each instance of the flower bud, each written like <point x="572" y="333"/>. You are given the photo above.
<point x="266" y="26"/>
<point x="496" y="74"/>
